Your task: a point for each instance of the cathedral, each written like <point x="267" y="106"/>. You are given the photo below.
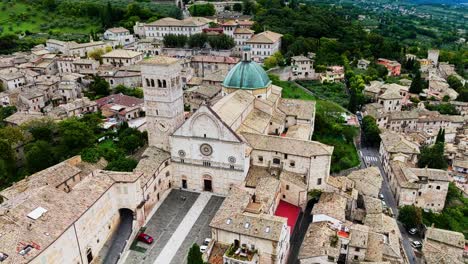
<point x="251" y="130"/>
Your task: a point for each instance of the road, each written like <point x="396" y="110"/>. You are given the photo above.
<point x="370" y="157"/>
<point x="118" y="240"/>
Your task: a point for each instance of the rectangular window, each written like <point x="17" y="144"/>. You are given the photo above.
<point x="287" y="187"/>
<point x="285" y="156"/>
<point x="438" y="187"/>
<point x="319" y="181"/>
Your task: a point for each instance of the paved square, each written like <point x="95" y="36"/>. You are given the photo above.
<point x="200" y="230"/>
<point x="168" y="218"/>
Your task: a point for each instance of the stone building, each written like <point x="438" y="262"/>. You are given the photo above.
<point x="264" y="44"/>
<point x="333" y="74"/>
<point x="65" y="214"/>
<point x="248" y="229"/>
<point x="74" y="49"/>
<point x="121" y="36"/>
<point x="363" y="64"/>
<point x="12" y="78"/>
<point x="195" y="96"/>
<point x="302" y="68"/>
<point x="393" y="67"/>
<point x="443" y="246"/>
<point x="390" y="101"/>
<point x="425" y="188"/>
<point x="164" y="104"/>
<point x="164" y="26"/>
<point x="394" y="146"/>
<point x="320" y="245"/>
<point x="121" y="57"/>
<point x="205" y="65"/>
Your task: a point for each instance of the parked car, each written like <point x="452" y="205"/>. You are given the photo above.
<point x="203" y="248"/>
<point x="206" y="241"/>
<point x="205" y="244"/>
<point x="416" y="244"/>
<point x="381" y="197"/>
<point x="384" y="204"/>
<point x="145" y="238"/>
<point x="413" y="231"/>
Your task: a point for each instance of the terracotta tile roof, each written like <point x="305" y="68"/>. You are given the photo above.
<point x="119" y="99"/>
<point x="265" y="37"/>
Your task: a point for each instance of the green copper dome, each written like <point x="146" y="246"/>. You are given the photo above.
<point x="247" y="75"/>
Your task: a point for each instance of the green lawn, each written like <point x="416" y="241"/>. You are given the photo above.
<point x="290" y="90"/>
<point x="18" y="17"/>
<point x="334" y="92"/>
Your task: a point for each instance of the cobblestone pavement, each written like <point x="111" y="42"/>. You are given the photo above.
<point x="163" y="224"/>
<point x="169" y="218"/>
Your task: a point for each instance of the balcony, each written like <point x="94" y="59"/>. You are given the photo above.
<point x="240" y="255"/>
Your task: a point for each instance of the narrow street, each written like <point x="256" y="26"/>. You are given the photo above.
<point x="370" y="157"/>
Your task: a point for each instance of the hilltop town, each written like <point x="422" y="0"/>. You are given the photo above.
<point x="209" y="139"/>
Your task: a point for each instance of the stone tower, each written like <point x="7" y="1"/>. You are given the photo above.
<point x="164" y="103"/>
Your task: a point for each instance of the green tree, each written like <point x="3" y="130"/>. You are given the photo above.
<point x="433" y="157"/>
<point x="90" y="154"/>
<point x="49" y="4"/>
<point x="410" y="216"/>
<point x="197" y="40"/>
<point x="39" y="155"/>
<point x="371" y="131"/>
<point x="237" y="7"/>
<point x="74" y="136"/>
<point x="7" y="156"/>
<point x="122" y="164"/>
<point x="440" y="136"/>
<point x="13" y="135"/>
<point x="42" y="129"/>
<point x="270" y="62"/>
<point x="202" y="9"/>
<point x="99" y="87"/>
<point x="417" y="84"/>
<point x="96" y="54"/>
<point x="5" y="174"/>
<point x="454" y="83"/>
<point x="463" y="94"/>
<point x="221" y="42"/>
<point x="194" y="255"/>
<point x="174" y="41"/>
<point x="131" y="142"/>
<point x="248" y="7"/>
<point x="6" y="111"/>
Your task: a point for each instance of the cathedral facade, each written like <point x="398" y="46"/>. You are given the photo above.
<point x="252" y="125"/>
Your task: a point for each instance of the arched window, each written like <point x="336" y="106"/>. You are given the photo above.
<point x="159" y="83"/>
<point x="276" y="161"/>
<point x="164" y="84"/>
<point x="152" y="83"/>
<point x="148" y="83"/>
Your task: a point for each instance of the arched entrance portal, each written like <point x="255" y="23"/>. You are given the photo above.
<point x="120" y="235"/>
<point x="207" y="183"/>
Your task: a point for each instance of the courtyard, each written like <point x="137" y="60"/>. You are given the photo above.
<point x="181" y="220"/>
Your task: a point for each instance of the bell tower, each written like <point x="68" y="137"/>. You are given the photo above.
<point x="164" y="103"/>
